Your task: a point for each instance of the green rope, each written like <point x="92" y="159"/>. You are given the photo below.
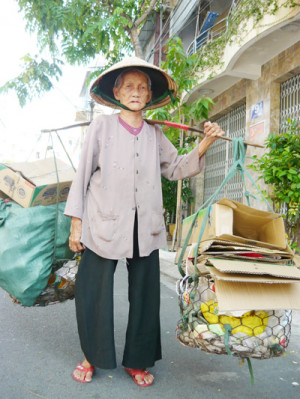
<point x="250" y="370"/>
<point x="95" y="90"/>
<point x="228" y="329"/>
<point x="166" y="94"/>
<point x="239" y="153"/>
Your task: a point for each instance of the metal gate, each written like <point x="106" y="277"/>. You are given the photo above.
<point x="219" y="158"/>
<point x="289" y="108"/>
<point x="289" y="100"/>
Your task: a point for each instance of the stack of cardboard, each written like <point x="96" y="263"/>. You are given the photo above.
<point x="35" y="183"/>
<point x="246" y="253"/>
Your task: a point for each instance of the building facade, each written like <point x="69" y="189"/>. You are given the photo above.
<point x="255" y="82"/>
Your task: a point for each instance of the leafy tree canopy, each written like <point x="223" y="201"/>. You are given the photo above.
<point x="76" y="31"/>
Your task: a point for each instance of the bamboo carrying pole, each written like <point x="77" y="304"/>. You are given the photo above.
<point x="193" y="129"/>
<point x="170" y="124"/>
<point x="156" y="122"/>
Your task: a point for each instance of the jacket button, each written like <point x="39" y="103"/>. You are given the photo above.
<point x="137" y="172"/>
<point x="137" y="154"/>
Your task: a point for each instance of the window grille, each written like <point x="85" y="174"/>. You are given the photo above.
<point x="289" y="101"/>
<point x="289" y="108"/>
<point x="219" y="158"/>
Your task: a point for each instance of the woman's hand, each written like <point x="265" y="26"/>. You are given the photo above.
<point x="212" y="133"/>
<point x="75" y="236"/>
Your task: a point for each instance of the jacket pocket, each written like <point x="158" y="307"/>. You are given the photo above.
<point x="106" y="226"/>
<point x="157" y="223"/>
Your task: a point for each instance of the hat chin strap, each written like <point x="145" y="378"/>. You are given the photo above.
<point x="128" y="109"/>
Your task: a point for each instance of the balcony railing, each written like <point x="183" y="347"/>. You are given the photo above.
<point x="213" y="32"/>
<point x="207" y="36"/>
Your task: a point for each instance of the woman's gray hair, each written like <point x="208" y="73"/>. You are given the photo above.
<point x="120" y="77"/>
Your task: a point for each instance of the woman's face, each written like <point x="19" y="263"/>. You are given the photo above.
<point x="133" y="91"/>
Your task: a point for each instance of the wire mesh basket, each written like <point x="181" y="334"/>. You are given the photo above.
<point x="259" y="334"/>
<point x="60" y="287"/>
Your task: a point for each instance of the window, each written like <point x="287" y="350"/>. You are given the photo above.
<point x="289" y="100"/>
<point x="219" y="158"/>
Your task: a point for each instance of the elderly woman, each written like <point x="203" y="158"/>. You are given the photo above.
<point x="117" y="212"/>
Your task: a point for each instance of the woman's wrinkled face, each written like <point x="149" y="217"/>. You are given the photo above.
<point x="133" y="92"/>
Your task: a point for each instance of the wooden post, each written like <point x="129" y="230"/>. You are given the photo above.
<point x="177" y="230"/>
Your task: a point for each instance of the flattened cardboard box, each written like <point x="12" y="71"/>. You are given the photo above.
<point x="224" y="247"/>
<point x="35" y="183"/>
<point x="231" y="221"/>
<point x="255" y="286"/>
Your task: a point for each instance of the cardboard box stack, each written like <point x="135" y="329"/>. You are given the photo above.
<point x="246" y="253"/>
<point x="35" y="183"/>
<point x="246" y="287"/>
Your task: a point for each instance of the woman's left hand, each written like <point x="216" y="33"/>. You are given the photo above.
<point x="213" y="131"/>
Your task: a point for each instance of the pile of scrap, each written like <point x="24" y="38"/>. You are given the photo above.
<point x="34" y="231"/>
<point x="243" y="280"/>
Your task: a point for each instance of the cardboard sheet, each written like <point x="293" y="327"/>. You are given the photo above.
<point x="258" y="250"/>
<point x="255" y="268"/>
<point x="260" y="296"/>
<point x="231" y="221"/>
<point x="246" y="258"/>
<point x="243" y="278"/>
<point x="206" y="248"/>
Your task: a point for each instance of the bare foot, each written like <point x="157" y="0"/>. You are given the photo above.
<point x="83" y="372"/>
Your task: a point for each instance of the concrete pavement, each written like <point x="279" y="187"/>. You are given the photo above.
<point x="39" y="348"/>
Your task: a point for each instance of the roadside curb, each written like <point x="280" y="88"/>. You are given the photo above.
<point x="167" y="264"/>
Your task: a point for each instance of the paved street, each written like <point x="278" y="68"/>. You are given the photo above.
<point x="39" y="348"/>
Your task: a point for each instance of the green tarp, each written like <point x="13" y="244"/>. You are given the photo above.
<point x="28" y="240"/>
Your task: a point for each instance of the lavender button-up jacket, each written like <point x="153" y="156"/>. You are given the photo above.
<point x="118" y="175"/>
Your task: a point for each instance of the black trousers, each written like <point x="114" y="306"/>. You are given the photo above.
<point x="95" y="316"/>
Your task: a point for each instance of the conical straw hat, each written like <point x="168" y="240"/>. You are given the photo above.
<point x="164" y="88"/>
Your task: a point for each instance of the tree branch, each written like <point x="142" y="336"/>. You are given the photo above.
<point x="126" y="28"/>
<point x="145" y="15"/>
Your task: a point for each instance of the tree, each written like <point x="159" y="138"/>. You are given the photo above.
<point x="76" y="31"/>
<point x="182" y="67"/>
<point x="280" y="168"/>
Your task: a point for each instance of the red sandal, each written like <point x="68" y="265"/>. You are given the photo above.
<point x="133" y="373"/>
<point x="86" y="370"/>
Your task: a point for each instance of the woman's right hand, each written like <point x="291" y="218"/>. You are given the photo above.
<point x="75" y="236"/>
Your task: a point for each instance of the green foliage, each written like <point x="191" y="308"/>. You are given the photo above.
<point x="76" y="31"/>
<point x="210" y="55"/>
<point x="35" y="78"/>
<point x="169" y="191"/>
<point x="280" y="168"/>
<point x="181" y="67"/>
<point x="81" y="29"/>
